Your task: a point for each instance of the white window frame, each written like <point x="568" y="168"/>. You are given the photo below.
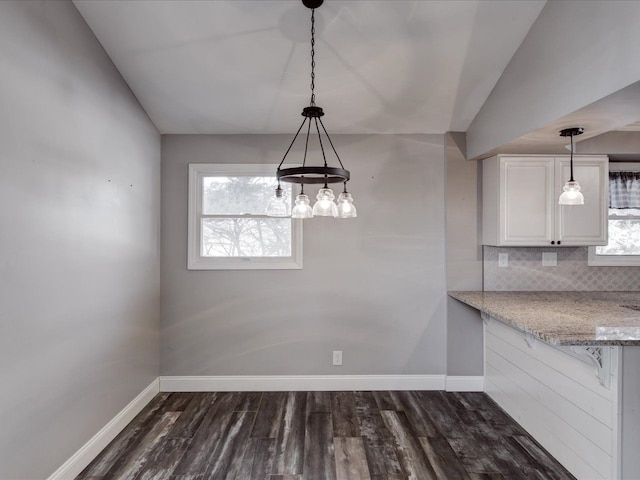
<point x="195" y="261"/>
<point x="615" y="260"/>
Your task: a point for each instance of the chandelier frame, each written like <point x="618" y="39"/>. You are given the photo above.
<point x="313" y="114"/>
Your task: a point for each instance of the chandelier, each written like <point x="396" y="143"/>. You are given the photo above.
<point x="325" y="206"/>
<point x="571" y="194"/>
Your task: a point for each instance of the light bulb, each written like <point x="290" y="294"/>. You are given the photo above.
<point x="346" y="208"/>
<point x="325" y="206"/>
<point x="571" y="194"/>
<point x="302" y="208"/>
<point x="279" y="205"/>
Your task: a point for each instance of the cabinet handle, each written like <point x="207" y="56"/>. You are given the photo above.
<point x="558" y="242"/>
<point x="552" y="242"/>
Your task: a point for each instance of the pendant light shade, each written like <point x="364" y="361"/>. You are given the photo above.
<point x="279" y="205"/>
<point x="571" y="194"/>
<point x="346" y="208"/>
<point x="318" y="174"/>
<point x="325" y="206"/>
<point x="302" y="209"/>
<point x="571" y="191"/>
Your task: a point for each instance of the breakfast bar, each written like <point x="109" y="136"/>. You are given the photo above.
<point x="566" y="366"/>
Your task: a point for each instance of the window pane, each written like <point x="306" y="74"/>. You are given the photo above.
<point x="238" y="195"/>
<point x="624" y="238"/>
<point x="246" y="237"/>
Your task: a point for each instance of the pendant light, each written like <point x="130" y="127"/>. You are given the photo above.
<point x="346" y="208"/>
<point x="571" y="191"/>
<point x="302" y="208"/>
<point x="279" y="205"/>
<point x="325" y="205"/>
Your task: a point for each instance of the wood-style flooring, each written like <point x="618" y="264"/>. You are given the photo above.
<point x="323" y="436"/>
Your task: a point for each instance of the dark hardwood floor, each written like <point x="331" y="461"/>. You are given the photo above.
<point x="323" y="436"/>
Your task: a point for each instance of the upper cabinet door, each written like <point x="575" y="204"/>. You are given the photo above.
<point x="520" y="201"/>
<point x="583" y="224"/>
<point x="527" y="210"/>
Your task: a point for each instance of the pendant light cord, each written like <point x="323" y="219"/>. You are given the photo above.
<point x="571" y="163"/>
<point x="313" y="55"/>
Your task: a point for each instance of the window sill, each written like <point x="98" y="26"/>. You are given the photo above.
<point x="244" y="263"/>
<point x="594" y="260"/>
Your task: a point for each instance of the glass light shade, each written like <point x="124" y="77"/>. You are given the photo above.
<point x="571" y="194"/>
<point x="279" y="205"/>
<point x="346" y="208"/>
<point x="302" y="208"/>
<point x="325" y="206"/>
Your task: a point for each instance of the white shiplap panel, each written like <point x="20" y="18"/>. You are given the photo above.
<point x="584" y="398"/>
<point x="582" y="372"/>
<point x="511" y="399"/>
<point x="575" y="420"/>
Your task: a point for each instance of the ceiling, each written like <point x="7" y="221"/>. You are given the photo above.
<point x="240" y="66"/>
<point x="614" y="113"/>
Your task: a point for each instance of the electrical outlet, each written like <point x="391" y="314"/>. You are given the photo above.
<point x="549" y="259"/>
<point x="337" y="357"/>
<point x="503" y="259"/>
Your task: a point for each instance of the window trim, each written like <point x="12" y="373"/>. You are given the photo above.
<point x="615" y="260"/>
<point x="195" y="261"/>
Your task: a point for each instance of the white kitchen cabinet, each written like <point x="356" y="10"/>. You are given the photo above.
<point x="520" y="201"/>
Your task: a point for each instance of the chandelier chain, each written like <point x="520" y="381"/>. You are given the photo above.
<point x="313" y="54"/>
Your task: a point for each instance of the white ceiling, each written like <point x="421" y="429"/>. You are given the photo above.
<point x="240" y="66"/>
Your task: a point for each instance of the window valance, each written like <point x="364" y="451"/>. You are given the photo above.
<point x="624" y="189"/>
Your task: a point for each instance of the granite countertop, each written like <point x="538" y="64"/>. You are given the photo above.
<point x="564" y="318"/>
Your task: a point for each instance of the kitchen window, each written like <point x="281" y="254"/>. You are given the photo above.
<point x="623" y="248"/>
<point x="228" y="228"/>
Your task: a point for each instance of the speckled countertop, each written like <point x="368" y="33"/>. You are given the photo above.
<point x="564" y="318"/>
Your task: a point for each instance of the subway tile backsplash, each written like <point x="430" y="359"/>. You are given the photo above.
<point x="525" y="271"/>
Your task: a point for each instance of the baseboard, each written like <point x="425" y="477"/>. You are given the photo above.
<point x="276" y="383"/>
<point x="83" y="457"/>
<point x="90" y="450"/>
<point x="456" y="383"/>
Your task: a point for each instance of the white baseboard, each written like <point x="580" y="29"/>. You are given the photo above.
<point x="278" y="383"/>
<point x="464" y="384"/>
<point x="83" y="457"/>
<point x="90" y="450"/>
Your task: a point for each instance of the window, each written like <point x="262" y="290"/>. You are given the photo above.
<point x="228" y="228"/>
<point x="623" y="247"/>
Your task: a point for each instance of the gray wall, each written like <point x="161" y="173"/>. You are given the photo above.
<point x="575" y="54"/>
<point x="373" y="286"/>
<point x="79" y="249"/>
<point x="464" y="257"/>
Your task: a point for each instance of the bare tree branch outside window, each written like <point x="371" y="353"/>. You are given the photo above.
<point x="240" y="228"/>
<point x="624" y="233"/>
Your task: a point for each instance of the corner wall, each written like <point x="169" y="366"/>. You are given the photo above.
<point x="79" y="239"/>
<point x="373" y="286"/>
<point x="464" y="257"/>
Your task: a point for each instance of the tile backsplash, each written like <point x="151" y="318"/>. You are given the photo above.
<point x="525" y="271"/>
